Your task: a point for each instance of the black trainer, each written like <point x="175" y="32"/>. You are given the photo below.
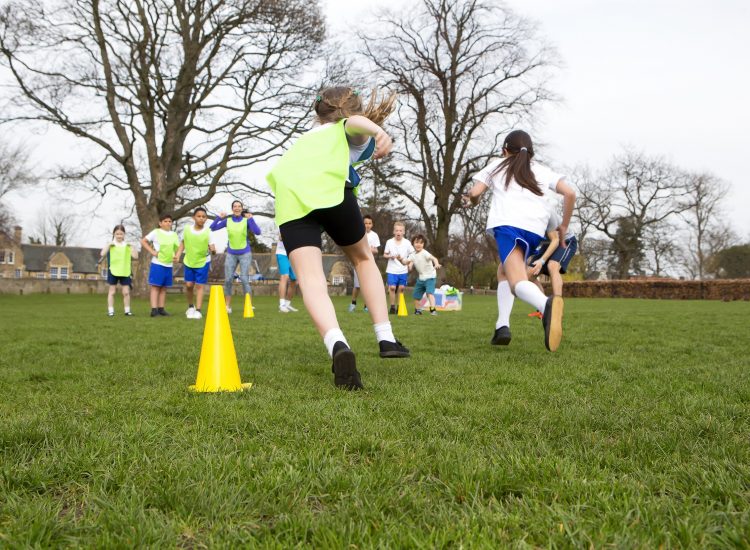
<point x="501" y="337"/>
<point x="163" y="312"/>
<point x="345" y="373"/>
<point x="552" y="321"/>
<point x="393" y="349"/>
<point x="154" y="312"/>
<point x="128" y="314"/>
<point x="392" y="311"/>
<point x="417" y="312"/>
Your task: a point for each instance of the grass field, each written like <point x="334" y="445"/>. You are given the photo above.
<point x="635" y="434"/>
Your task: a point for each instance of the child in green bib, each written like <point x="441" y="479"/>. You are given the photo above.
<point x="119" y="255"/>
<point x="315" y="184"/>
<point x="195" y="243"/>
<point x="162" y="243"/>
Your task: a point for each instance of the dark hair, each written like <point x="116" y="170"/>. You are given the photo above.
<point x="367" y="217"/>
<point x="200" y="209"/>
<point x="517" y="165"/>
<point x="236" y="200"/>
<point x="419" y="238"/>
<point x="163" y="217"/>
<point x="333" y="104"/>
<point x="118" y="227"/>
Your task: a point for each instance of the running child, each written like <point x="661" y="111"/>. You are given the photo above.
<point x="518" y="217"/>
<point x="374" y="241"/>
<point x="426" y="265"/>
<point x="119" y="255"/>
<point x="396" y="272"/>
<point x="287" y="280"/>
<point x="315" y="185"/>
<point x="162" y="243"/>
<point x="195" y="243"/>
<point x="552" y="260"/>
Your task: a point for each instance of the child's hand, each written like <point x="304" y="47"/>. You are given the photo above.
<point x="383" y="144"/>
<point x="176" y="259"/>
<point x="536" y="267"/>
<point x="466" y="201"/>
<point x="438" y="266"/>
<point x="562" y="231"/>
<point x="222" y="214"/>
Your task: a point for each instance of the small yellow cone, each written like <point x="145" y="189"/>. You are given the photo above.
<point x="218" y="370"/>
<point x="402" y="311"/>
<point x="248" y="313"/>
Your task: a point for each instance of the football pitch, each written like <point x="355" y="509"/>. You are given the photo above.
<point x="634" y="434"/>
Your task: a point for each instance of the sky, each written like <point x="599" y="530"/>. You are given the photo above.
<point x="665" y="77"/>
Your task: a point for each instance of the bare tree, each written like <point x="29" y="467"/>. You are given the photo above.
<point x="466" y="71"/>
<point x="662" y="250"/>
<point x="15" y="171"/>
<point x="635" y="194"/>
<point x="55" y="227"/>
<point x="176" y="95"/>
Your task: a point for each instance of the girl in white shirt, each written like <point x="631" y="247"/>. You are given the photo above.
<point x="518" y="218"/>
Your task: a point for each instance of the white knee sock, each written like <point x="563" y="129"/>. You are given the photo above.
<point x="332" y="336"/>
<point x="530" y="293"/>
<point x="383" y="331"/>
<point x="505" y="301"/>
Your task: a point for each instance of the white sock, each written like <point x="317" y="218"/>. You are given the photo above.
<point x="287" y="302"/>
<point x="383" y="331"/>
<point x="505" y="301"/>
<point x="332" y="336"/>
<point x="110" y="310"/>
<point x="127" y="310"/>
<point x="530" y="293"/>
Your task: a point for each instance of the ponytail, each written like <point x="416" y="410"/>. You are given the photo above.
<point x="517" y="165"/>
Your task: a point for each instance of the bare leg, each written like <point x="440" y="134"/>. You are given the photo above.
<point x="111" y="295"/>
<point x="355" y="293"/>
<point x="556" y="278"/>
<point x="416" y="304"/>
<point x="370" y="280"/>
<point x="283" y="285"/>
<point x="126" y="297"/>
<point x="199" y="296"/>
<point x="431" y="299"/>
<point x="291" y="290"/>
<point x="189" y="292"/>
<point x="307" y="262"/>
<point x="162" y="292"/>
<point x="154" y="296"/>
<point x="391" y="295"/>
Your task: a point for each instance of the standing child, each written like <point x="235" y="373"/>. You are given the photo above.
<point x="315" y="186"/>
<point x="238" y="252"/>
<point x="374" y="241"/>
<point x="162" y="243"/>
<point x="426" y="265"/>
<point x="119" y="255"/>
<point x="518" y="216"/>
<point x="287" y="280"/>
<point x="198" y="250"/>
<point x="396" y="272"/>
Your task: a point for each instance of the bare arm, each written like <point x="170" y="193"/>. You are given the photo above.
<point x="105" y="249"/>
<point x="359" y="128"/>
<point x="147" y="247"/>
<point x="180" y="250"/>
<point x="472" y="197"/>
<point x="554" y="241"/>
<point x="569" y="201"/>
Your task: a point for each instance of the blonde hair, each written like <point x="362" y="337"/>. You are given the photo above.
<point x="333" y="104"/>
<point x="399" y="224"/>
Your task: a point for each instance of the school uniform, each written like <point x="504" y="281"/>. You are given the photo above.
<point x="165" y="243"/>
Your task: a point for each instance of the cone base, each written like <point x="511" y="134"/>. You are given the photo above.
<point x="243" y="387"/>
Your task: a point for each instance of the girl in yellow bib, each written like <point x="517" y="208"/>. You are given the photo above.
<point x="315" y="184"/>
<point x="119" y="255"/>
<point x="195" y="243"/>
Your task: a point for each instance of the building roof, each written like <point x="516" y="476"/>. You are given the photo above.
<point x="84" y="260"/>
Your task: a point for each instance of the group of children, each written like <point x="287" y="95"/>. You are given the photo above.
<point x="315" y="184"/>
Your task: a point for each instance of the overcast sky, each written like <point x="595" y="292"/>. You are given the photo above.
<point x="666" y="77"/>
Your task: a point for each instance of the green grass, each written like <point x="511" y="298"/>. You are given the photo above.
<point x="635" y="434"/>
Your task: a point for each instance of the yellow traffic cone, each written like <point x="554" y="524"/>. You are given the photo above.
<point x="218" y="370"/>
<point x="248" y="313"/>
<point x="402" y="311"/>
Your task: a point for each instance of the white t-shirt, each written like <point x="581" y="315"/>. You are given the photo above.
<point x="516" y="206"/>
<point x="151" y="237"/>
<point x="206" y="229"/>
<point x="280" y="248"/>
<point x="373" y="240"/>
<point x="423" y="264"/>
<point x="554" y="223"/>
<point x="403" y="249"/>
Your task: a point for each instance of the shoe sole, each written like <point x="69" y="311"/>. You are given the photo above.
<point x="553" y="334"/>
<point x="345" y="369"/>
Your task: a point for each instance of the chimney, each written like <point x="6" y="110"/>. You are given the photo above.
<point x="17" y="230"/>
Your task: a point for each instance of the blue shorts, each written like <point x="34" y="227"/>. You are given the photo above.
<point x="561" y="255"/>
<point x="397" y="280"/>
<point x="422" y="287"/>
<point x="508" y="237"/>
<point x="285" y="268"/>
<point x="197" y="275"/>
<point x="114" y="279"/>
<point x="160" y="275"/>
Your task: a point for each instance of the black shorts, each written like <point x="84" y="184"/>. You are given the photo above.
<point x="560" y="255"/>
<point x="343" y="223"/>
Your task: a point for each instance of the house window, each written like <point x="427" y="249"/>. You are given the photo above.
<point x="337" y="280"/>
<point x="63" y="272"/>
<point x="40" y="275"/>
<point x="76" y="276"/>
<point x="10" y="257"/>
<point x="18" y="273"/>
<point x="2" y="256"/>
<point x="53" y="273"/>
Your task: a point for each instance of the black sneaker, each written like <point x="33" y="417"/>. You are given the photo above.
<point x="163" y="312"/>
<point x="501" y="337"/>
<point x="392" y="311"/>
<point x="154" y="312"/>
<point x="393" y="349"/>
<point x="417" y="312"/>
<point x="552" y="321"/>
<point x="128" y="314"/>
<point x="344" y="367"/>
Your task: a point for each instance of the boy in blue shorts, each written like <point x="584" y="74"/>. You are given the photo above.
<point x="195" y="243"/>
<point x="396" y="272"/>
<point x="552" y="260"/>
<point x="162" y="243"/>
<point x="426" y="265"/>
